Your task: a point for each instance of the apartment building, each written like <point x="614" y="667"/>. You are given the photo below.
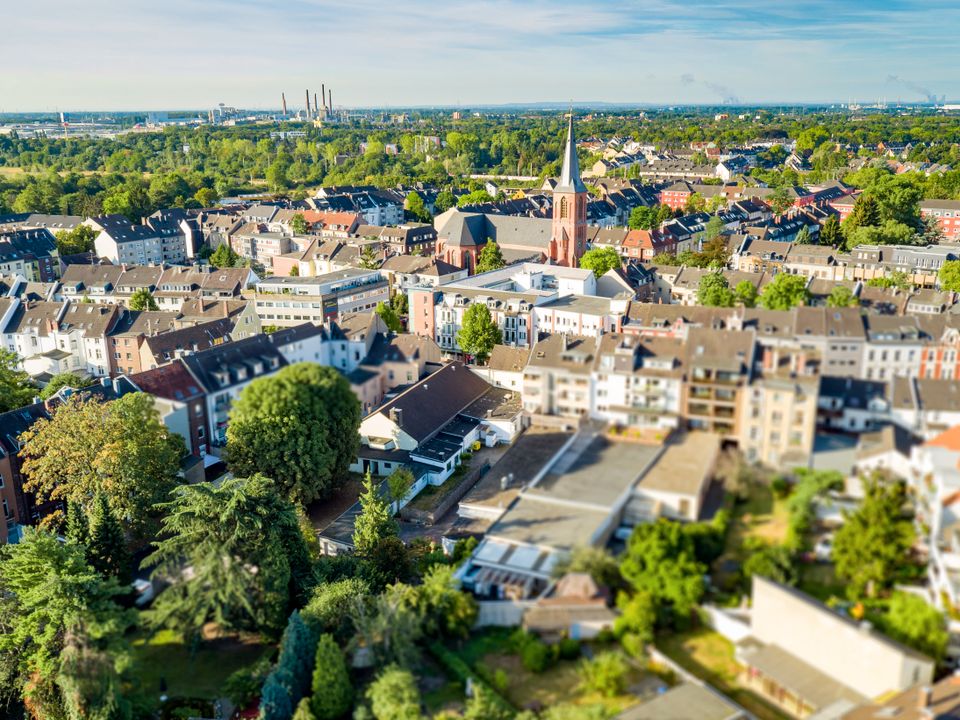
<point x="557" y="379"/>
<point x="719" y="366"/>
<point x="287" y="301"/>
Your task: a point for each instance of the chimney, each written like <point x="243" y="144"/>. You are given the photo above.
<point x="283" y="97"/>
<point x="316" y="109"/>
<point x="924" y="697"/>
<point x="330" y="97"/>
<point x="323" y="94"/>
<point x="307" y="91"/>
<point x="396" y="416"/>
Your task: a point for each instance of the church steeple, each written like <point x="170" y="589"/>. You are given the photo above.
<point x="568" y="239"/>
<point x="570" y="175"/>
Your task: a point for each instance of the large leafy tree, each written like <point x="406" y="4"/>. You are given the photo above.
<point x="913" y="621"/>
<point x="329" y="606"/>
<point x="440" y="605"/>
<point x="16" y="390"/>
<point x="118" y="448"/>
<point x="142" y="299"/>
<point x="479" y="333"/>
<point x="61" y="380"/>
<point x="746" y="293"/>
<point x="490" y="257"/>
<point x="225" y="257"/>
<point x="394" y="695"/>
<point x="714" y="291"/>
<point x="76" y="241"/>
<point x="949" y="276"/>
<point x="332" y="690"/>
<point x="600" y="260"/>
<point x="63" y="632"/>
<point x="841" y="297"/>
<point x="414" y="205"/>
<point x="389" y="317"/>
<point x="875" y="539"/>
<point x="661" y="560"/>
<point x="248" y="561"/>
<point x="298" y="427"/>
<point x="388" y="629"/>
<point x="784" y="292"/>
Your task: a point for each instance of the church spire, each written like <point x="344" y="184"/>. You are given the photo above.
<point x="570" y="176"/>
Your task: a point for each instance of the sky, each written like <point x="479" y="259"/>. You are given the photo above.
<point x="179" y="54"/>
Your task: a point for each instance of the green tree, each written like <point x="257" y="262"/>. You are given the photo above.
<point x="605" y="674"/>
<point x="643" y="218"/>
<point x="375" y="521"/>
<point x="949" y="275"/>
<point x="304" y="711"/>
<point x="399" y="483"/>
<point x="865" y="213"/>
<point x="484" y="705"/>
<point x="78" y="525"/>
<point x="638" y="617"/>
<point x="811" y="138"/>
<point x="445" y="200"/>
<point x="298" y="426"/>
<point x="16" y="390"/>
<point x="875" y="539"/>
<point x="295" y="663"/>
<point x="803" y="236"/>
<point x="77" y="241"/>
<point x="368" y="258"/>
<point x="660" y="560"/>
<point x="62" y="380"/>
<point x="477" y="197"/>
<point x="328" y="610"/>
<point x="107" y="546"/>
<point x="695" y="203"/>
<point x="249" y="562"/>
<point x="389" y="317"/>
<point x="914" y="622"/>
<point x="842" y="297"/>
<point x="387" y="629"/>
<point x="394" y="695"/>
<point x="119" y="448"/>
<point x="831" y="232"/>
<point x="440" y="605"/>
<point x="277" y="177"/>
<point x="598" y="563"/>
<point x="600" y="260"/>
<point x="745" y="293"/>
<point x="332" y="691"/>
<point x="714" y="291"/>
<point x="713" y="229"/>
<point x="225" y="257"/>
<point x="785" y="292"/>
<point x="142" y="299"/>
<point x="60" y="617"/>
<point x="414" y="205"/>
<point x="770" y="561"/>
<point x="206" y="197"/>
<point x="299" y="224"/>
<point x="479" y="333"/>
<point x="400" y="304"/>
<point x="780" y="201"/>
<point x="275" y="700"/>
<point x="490" y="257"/>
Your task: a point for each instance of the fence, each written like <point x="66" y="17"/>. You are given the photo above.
<point x="430" y="517"/>
<point x="501" y="613"/>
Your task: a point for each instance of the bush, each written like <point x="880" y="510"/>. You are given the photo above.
<point x="462" y="672"/>
<point x="536" y="656"/>
<point x="605" y="637"/>
<point x="243" y="686"/>
<point x="518" y="640"/>
<point x="633" y="645"/>
<point x="568" y="649"/>
<point x="605" y="674"/>
<point x="780" y="486"/>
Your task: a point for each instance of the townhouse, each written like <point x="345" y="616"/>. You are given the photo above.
<point x="719" y="367"/>
<point x="946" y="213"/>
<point x="30" y="253"/>
<point x="122" y="242"/>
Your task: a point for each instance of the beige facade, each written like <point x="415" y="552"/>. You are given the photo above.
<point x="778" y="420"/>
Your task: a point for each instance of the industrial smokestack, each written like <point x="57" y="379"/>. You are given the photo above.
<point x="284" y="98"/>
<point x="308" y="102"/>
<point x="316" y="109"/>
<point x="323" y="94"/>
<point x="330" y="96"/>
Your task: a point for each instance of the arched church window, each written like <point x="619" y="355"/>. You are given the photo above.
<point x="564" y="210"/>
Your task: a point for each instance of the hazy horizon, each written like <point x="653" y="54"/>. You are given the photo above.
<point x="144" y="56"/>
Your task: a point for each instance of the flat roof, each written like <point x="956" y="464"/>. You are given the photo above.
<point x="546" y="524"/>
<point x="685" y="465"/>
<point x="684" y="702"/>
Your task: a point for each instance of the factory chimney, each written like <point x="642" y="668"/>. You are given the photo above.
<point x="330" y="96"/>
<point x="323" y="94"/>
<point x="308" y="102"/>
<point x="316" y="109"/>
<point x="283" y="97"/>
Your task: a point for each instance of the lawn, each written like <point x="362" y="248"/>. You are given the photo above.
<point x="761" y="516"/>
<point x="709" y="656"/>
<point x="195" y="675"/>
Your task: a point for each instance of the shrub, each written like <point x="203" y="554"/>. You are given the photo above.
<point x="569" y="649"/>
<point x="462" y="672"/>
<point x="536" y="656"/>
<point x="780" y="486"/>
<point x="605" y="637"/>
<point x="605" y="674"/>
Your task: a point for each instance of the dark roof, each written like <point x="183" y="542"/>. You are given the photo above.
<point x="231" y="359"/>
<point x="15" y="422"/>
<point x="172" y="382"/>
<point x="436" y="400"/>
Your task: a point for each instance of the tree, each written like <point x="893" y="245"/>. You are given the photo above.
<point x="400" y="304"/>
<point x="643" y="218"/>
<point x="224" y="257"/>
<point x="77" y="241"/>
<point x="295" y="664"/>
<point x="375" y="521"/>
<point x="490" y="257"/>
<point x="831" y="232"/>
<point x="142" y="299"/>
<point x="445" y="200"/>
<point x="107" y="547"/>
<point x="299" y="427"/>
<point x="598" y="563"/>
<point x="779" y="201"/>
<point x="368" y="258"/>
<point x="866" y="212"/>
<point x="332" y="691"/>
<point x="248" y="560"/>
<point x="329" y="606"/>
<point x="769" y="561"/>
<point x="714" y="291"/>
<point x="440" y="605"/>
<point x="62" y="380"/>
<point x="914" y="622"/>
<point x="605" y="674"/>
<point x="842" y="297"/>
<point x="600" y="260"/>
<point x="16" y="390"/>
<point x="713" y="229"/>
<point x="399" y="483"/>
<point x="479" y="333"/>
<point x="276" y="176"/>
<point x="949" y="275"/>
<point x="638" y="617"/>
<point x="803" y="236"/>
<point x="394" y="695"/>
<point x="485" y="705"/>
<point x="745" y="293"/>
<point x="785" y="292"/>
<point x="119" y="448"/>
<point x="206" y="197"/>
<point x="389" y="317"/>
<point x="477" y="197"/>
<point x="275" y="700"/>
<point x="695" y="203"/>
<point x="415" y="206"/>
<point x="661" y="560"/>
<point x="299" y="224"/>
<point x="60" y="617"/>
<point x="78" y="526"/>
<point x="874" y="541"/>
<point x="387" y="629"/>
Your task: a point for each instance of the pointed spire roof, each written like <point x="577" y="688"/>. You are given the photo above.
<point x="570" y="176"/>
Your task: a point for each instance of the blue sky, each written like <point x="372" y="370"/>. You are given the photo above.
<point x="105" y="54"/>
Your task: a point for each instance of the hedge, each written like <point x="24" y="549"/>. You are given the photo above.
<point x="462" y="672"/>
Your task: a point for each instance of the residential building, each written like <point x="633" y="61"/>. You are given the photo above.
<point x="289" y="301"/>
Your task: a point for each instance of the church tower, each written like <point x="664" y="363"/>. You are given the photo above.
<point x="568" y="238"/>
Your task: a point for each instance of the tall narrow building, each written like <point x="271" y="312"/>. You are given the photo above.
<point x="568" y="237"/>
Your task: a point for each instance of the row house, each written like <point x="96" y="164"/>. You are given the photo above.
<point x="405" y="239"/>
<point x="925" y="406"/>
<point x="406" y="271"/>
<point x="30" y="253"/>
<point x="946" y="213"/>
<point x="921" y="264"/>
<point x="179" y="234"/>
<point x="719" y="366"/>
<point x="122" y="242"/>
<point x="146" y="340"/>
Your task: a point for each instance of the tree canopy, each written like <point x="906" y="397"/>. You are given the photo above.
<point x="600" y="260"/>
<point x="16" y="390"/>
<point x="785" y="292"/>
<point x="479" y="333"/>
<point x="490" y="257"/>
<point x="142" y="299"/>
